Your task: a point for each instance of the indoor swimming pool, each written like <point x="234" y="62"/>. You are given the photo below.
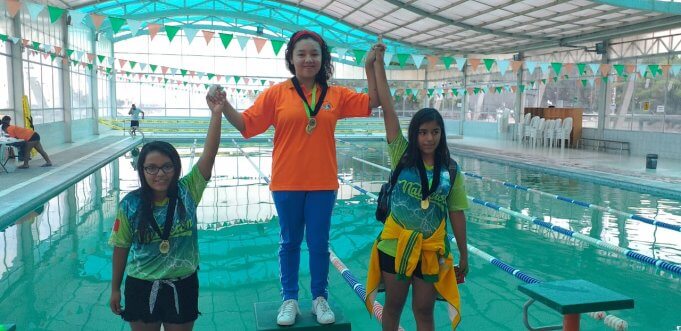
<point x="55" y="264"/>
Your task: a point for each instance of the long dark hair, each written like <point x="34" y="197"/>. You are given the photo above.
<point x="412" y="156"/>
<point x="326" y="70"/>
<point x="145" y="213"/>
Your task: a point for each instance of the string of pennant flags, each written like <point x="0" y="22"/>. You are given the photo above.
<point x="598" y="72"/>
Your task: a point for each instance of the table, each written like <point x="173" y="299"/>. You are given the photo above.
<point x="5" y="144"/>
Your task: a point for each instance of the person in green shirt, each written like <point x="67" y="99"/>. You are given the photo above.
<point x="412" y="249"/>
<point x="157" y="226"/>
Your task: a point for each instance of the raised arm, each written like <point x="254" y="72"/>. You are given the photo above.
<point x="210" y="147"/>
<point x="392" y="124"/>
<point x="218" y="100"/>
<point x="371" y="78"/>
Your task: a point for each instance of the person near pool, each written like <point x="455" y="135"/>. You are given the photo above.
<point x="157" y="225"/>
<point x="135" y="119"/>
<point x="412" y="249"/>
<point x="31" y="140"/>
<point x="304" y="111"/>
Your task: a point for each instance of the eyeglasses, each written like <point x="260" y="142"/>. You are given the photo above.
<point x="153" y="170"/>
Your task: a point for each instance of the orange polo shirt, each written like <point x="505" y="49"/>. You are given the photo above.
<point x="19" y="132"/>
<point x="301" y="161"/>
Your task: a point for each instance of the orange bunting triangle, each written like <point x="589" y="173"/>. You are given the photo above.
<point x="13" y="7"/>
<point x="259" y="43"/>
<point x="208" y="36"/>
<point x="153" y="30"/>
<point x="474" y="63"/>
<point x="97" y="20"/>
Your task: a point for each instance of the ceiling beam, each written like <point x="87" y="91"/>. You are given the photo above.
<point x="432" y="16"/>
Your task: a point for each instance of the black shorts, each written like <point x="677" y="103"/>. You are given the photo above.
<point x="137" y="292"/>
<point x="134" y="123"/>
<point x="35" y="137"/>
<point x="387" y="264"/>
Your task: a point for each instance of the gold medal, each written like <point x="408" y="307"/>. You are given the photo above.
<point x="425" y="204"/>
<point x="164" y="247"/>
<point x="311" y="124"/>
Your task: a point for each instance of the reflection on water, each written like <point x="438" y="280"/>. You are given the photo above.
<point x="56" y="266"/>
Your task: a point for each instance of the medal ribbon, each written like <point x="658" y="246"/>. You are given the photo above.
<point x="170" y="213"/>
<point x="316" y="106"/>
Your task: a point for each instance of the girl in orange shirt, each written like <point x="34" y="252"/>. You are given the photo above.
<point x="304" y="111"/>
<point x="31" y="138"/>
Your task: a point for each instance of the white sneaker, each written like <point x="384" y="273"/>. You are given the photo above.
<point x="288" y="312"/>
<point x="321" y="308"/>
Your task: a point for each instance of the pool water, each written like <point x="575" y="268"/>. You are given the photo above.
<point x="55" y="268"/>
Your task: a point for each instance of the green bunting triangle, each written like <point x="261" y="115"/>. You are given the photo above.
<point x="276" y="45"/>
<point x="654" y="68"/>
<point x="153" y="67"/>
<point x="55" y="13"/>
<point x="408" y="91"/>
<point x="236" y="79"/>
<point x="52" y="56"/>
<point x="584" y="82"/>
<point x="430" y="92"/>
<point x="3" y="37"/>
<point x="455" y="92"/>
<point x="90" y="66"/>
<point x="262" y="82"/>
<point x="74" y="62"/>
<point x="543" y="81"/>
<point x="476" y="90"/>
<point x="555" y="79"/>
<point x="522" y="88"/>
<point x="132" y="64"/>
<point x="359" y="55"/>
<point x="183" y="72"/>
<point x="447" y="60"/>
<point x="619" y="68"/>
<point x="36" y="45"/>
<point x="69" y="52"/>
<point x="605" y="79"/>
<point x="184" y="83"/>
<point x="238" y="90"/>
<point x="210" y="76"/>
<point x="117" y="23"/>
<point x="532" y="83"/>
<point x="566" y="77"/>
<point x="146" y="75"/>
<point x="488" y="63"/>
<point x="402" y="59"/>
<point x="101" y="58"/>
<point x="171" y="31"/>
<point x="581" y="67"/>
<point x="498" y="89"/>
<point x="165" y="80"/>
<point x="226" y="38"/>
<point x="557" y="66"/>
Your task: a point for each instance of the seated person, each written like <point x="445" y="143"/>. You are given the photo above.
<point x="31" y="139"/>
<point x="21" y="145"/>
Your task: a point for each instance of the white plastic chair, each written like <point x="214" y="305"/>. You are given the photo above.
<point x="564" y="132"/>
<point x="536" y="132"/>
<point x="524" y="122"/>
<point x="534" y="123"/>
<point x="558" y="126"/>
<point x="549" y="129"/>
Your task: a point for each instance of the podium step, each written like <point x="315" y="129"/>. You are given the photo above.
<point x="11" y="327"/>
<point x="266" y="318"/>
